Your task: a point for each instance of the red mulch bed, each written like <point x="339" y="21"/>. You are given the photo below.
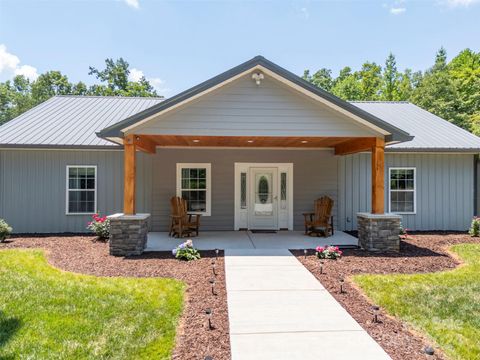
<point x="420" y="253"/>
<point x="82" y="254"/>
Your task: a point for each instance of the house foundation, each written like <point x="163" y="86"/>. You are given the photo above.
<point x="128" y="234"/>
<point x="379" y="232"/>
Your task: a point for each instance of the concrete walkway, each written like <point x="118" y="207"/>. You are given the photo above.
<point x="278" y="310"/>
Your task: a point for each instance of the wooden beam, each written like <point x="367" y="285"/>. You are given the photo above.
<point x="355" y="145"/>
<point x="146" y="144"/>
<point x="129" y="164"/>
<point x="378" y="177"/>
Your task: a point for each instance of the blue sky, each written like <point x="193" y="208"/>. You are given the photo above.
<point x="177" y="44"/>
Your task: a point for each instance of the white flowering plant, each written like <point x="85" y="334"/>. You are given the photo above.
<point x="186" y="251"/>
<point x="5" y="230"/>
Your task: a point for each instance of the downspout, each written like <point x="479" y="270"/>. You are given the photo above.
<point x="476" y="164"/>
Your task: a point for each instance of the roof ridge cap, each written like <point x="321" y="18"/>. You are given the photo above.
<point x="111" y="97"/>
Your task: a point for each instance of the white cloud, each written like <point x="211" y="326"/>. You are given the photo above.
<point x="397" y="10"/>
<point x="9" y="65"/>
<point x="135" y="75"/>
<point x="133" y="3"/>
<point x="464" y="3"/>
<point x="157" y="83"/>
<point x="28" y="71"/>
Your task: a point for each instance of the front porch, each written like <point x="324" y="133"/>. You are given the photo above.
<point x="210" y="240"/>
<point x="251" y="148"/>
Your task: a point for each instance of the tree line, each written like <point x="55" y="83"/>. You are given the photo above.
<point x="450" y="90"/>
<point x="21" y="94"/>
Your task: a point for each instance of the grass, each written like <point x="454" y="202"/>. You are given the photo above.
<point x="443" y="305"/>
<point x="46" y="313"/>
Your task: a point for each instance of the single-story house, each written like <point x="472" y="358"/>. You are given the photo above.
<point x="218" y="144"/>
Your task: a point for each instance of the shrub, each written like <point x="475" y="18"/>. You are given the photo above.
<point x="5" y="230"/>
<point x="403" y="232"/>
<point x="330" y="252"/>
<point x="475" y="227"/>
<point x="186" y="251"/>
<point x="100" y="226"/>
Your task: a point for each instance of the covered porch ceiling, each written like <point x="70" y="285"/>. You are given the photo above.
<point x="342" y="145"/>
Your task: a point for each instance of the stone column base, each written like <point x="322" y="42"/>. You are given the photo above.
<point x="379" y="232"/>
<point x="128" y="234"/>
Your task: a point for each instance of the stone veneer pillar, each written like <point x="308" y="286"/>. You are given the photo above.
<point x="128" y="234"/>
<point x="379" y="232"/>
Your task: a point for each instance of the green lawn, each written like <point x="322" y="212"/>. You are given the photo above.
<point x="443" y="305"/>
<point x="46" y="313"/>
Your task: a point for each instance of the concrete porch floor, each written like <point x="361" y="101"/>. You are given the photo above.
<point x="209" y="240"/>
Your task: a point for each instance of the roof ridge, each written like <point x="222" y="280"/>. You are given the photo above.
<point x="112" y="97"/>
<point x="381" y="101"/>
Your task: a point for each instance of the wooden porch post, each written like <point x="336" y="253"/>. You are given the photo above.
<point x="129" y="175"/>
<point x="378" y="177"/>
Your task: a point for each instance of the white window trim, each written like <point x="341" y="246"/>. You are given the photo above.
<point x="67" y="190"/>
<point x="208" y="195"/>
<point x="414" y="212"/>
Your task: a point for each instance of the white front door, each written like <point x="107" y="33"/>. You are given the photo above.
<point x="263" y="209"/>
<point x="263" y="196"/>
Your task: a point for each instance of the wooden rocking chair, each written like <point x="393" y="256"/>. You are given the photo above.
<point x="181" y="222"/>
<point x="320" y="221"/>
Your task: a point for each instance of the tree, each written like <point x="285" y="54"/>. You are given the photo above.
<point x="50" y="84"/>
<point x="322" y="78"/>
<point x="19" y="95"/>
<point x="437" y="92"/>
<point x="370" y="77"/>
<point x="346" y="85"/>
<point x="115" y="75"/>
<point x="464" y="69"/>
<point x="390" y="79"/>
<point x="408" y="81"/>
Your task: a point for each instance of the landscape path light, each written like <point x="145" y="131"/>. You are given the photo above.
<point x="429" y="351"/>
<point x="209" y="313"/>
<point x="212" y="282"/>
<point x="305" y="252"/>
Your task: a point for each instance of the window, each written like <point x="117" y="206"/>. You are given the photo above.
<point x="283" y="190"/>
<point x="193" y="185"/>
<point x="81" y="189"/>
<point x="402" y="190"/>
<point x="243" y="190"/>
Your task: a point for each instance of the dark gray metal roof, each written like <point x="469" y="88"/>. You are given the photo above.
<point x="431" y="132"/>
<point x="115" y="130"/>
<point x="70" y="121"/>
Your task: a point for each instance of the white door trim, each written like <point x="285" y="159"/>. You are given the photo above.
<point x="241" y="215"/>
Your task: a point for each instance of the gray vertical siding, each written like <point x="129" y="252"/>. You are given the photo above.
<point x="444" y="189"/>
<point x="33" y="188"/>
<point x="315" y="174"/>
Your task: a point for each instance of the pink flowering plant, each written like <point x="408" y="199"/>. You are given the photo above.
<point x="329" y="252"/>
<point x="100" y="225"/>
<point x="403" y="232"/>
<point x="475" y="227"/>
<point x="186" y="251"/>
